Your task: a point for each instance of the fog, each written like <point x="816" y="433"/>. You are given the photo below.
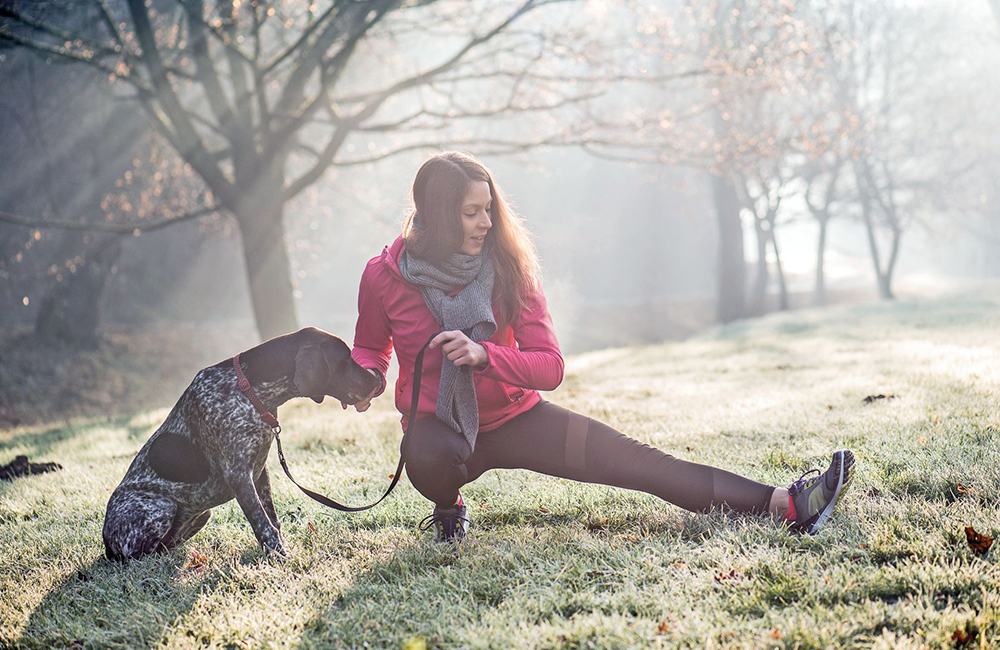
<point x="620" y="202"/>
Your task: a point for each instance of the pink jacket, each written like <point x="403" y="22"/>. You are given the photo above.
<point x="392" y="314"/>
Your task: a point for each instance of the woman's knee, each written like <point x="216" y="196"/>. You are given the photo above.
<point x="435" y="454"/>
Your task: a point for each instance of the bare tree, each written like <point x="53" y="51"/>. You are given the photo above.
<point x="822" y="178"/>
<point x="260" y="98"/>
<point x="718" y="61"/>
<point x="882" y="64"/>
<point x="763" y="192"/>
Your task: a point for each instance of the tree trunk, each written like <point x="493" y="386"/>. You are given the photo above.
<point x="819" y="296"/>
<point x="991" y="246"/>
<point x="884" y="288"/>
<point x="268" y="271"/>
<point x="885" y="282"/>
<point x="782" y="287"/>
<point x="731" y="292"/>
<point x="759" y="306"/>
<point x="70" y="310"/>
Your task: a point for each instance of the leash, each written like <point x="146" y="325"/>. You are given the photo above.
<point x="271" y="420"/>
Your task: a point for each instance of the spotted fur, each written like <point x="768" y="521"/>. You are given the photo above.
<point x="213" y="446"/>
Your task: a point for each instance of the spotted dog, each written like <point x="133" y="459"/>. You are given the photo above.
<point x="213" y="445"/>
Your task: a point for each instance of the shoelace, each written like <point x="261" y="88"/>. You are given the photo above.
<point x="444" y="518"/>
<point x="800" y="484"/>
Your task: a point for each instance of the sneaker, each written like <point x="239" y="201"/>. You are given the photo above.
<point x="450" y="524"/>
<point x="811" y="499"/>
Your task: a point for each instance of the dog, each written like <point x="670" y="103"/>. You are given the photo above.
<point x="213" y="445"/>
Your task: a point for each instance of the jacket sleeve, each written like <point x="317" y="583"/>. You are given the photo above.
<point x="536" y="363"/>
<point x="373" y="334"/>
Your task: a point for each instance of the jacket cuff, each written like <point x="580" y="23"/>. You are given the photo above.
<point x="479" y="370"/>
<point x="381" y="381"/>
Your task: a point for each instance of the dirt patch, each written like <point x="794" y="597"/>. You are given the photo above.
<point x="21" y="466"/>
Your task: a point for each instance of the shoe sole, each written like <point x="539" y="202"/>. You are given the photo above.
<point x="846" y="459"/>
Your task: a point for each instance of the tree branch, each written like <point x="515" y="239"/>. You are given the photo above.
<point x="134" y="228"/>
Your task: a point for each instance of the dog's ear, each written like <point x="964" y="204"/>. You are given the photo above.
<point x="312" y="374"/>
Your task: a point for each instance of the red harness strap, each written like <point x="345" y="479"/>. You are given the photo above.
<point x="270" y="419"/>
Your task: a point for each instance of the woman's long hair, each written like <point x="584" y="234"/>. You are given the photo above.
<point x="433" y="229"/>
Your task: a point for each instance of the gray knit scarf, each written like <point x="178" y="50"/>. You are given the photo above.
<point x="470" y="311"/>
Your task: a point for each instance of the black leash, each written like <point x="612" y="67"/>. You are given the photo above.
<point x="418" y="367"/>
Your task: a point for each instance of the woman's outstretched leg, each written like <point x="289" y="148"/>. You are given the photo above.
<point x="556" y="441"/>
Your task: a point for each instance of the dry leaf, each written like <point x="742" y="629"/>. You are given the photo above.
<point x="663" y="628"/>
<point x="979" y="543"/>
<point x="596" y="524"/>
<point x="196" y="562"/>
<point x="312" y="529"/>
<point x="392" y="476"/>
<point x="722" y="577"/>
<point x="922" y="440"/>
<point x="961" y="636"/>
<point x="961" y="488"/>
<point x="776" y="633"/>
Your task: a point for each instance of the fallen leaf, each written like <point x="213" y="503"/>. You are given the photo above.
<point x="312" y="528"/>
<point x="543" y="510"/>
<point x="922" y="440"/>
<point x="776" y="633"/>
<point x="873" y="398"/>
<point x="961" y="488"/>
<point x="688" y="448"/>
<point x="961" y="636"/>
<point x="663" y="628"/>
<point x="979" y="543"/>
<point x="596" y="524"/>
<point x="196" y="562"/>
<point x="392" y="476"/>
<point x="722" y="577"/>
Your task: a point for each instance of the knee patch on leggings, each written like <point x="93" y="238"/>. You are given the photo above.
<point x="577" y="428"/>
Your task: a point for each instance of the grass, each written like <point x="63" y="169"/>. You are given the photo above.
<point x="555" y="564"/>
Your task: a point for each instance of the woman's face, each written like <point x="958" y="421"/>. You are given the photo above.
<point x="476" y="221"/>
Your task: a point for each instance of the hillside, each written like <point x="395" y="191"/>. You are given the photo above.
<point x="555" y="564"/>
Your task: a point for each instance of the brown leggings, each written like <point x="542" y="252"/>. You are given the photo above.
<point x="552" y="440"/>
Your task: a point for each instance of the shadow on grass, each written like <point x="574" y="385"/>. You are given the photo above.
<point x="111" y="604"/>
<point x="549" y="570"/>
<point x="39" y="442"/>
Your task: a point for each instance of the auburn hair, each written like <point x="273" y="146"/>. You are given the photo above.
<point x="433" y="229"/>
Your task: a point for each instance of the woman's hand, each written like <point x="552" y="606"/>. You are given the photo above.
<point x="363" y="405"/>
<point x="460" y="349"/>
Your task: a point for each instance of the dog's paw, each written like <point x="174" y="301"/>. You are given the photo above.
<point x="275" y="553"/>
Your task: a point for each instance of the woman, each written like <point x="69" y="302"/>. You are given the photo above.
<point x="465" y="268"/>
